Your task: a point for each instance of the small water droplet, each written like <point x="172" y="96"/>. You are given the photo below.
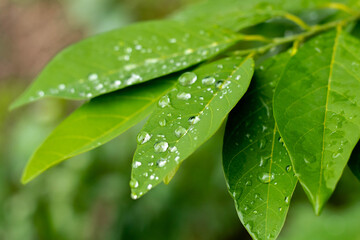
<point x="280" y="209"/>
<point x="194" y="120"/>
<point x="136" y="164"/>
<point x="62" y="86"/>
<point x="162" y="122"/>
<point x="164" y="101"/>
<point x="143" y="137"/>
<point x="208" y="80"/>
<point x="187" y="78"/>
<point x="134" y="183"/>
<point x="40" y="93"/>
<point x="161" y="162"/>
<point x="219" y="84"/>
<point x="93" y="77"/>
<point x="161" y="146"/>
<point x="149" y="186"/>
<point x="134" y="196"/>
<point x="288" y="168"/>
<point x="266" y="177"/>
<point x="287" y="200"/>
<point x="183" y="96"/>
<point x="248" y="183"/>
<point x="180" y="131"/>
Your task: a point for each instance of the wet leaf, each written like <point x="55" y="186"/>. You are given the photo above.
<point x="125" y="57"/>
<point x="186" y="117"/>
<point x="317" y="110"/>
<point x="95" y="123"/>
<point x="354" y="163"/>
<point x="256" y="164"/>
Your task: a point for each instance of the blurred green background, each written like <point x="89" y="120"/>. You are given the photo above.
<point x="88" y="197"/>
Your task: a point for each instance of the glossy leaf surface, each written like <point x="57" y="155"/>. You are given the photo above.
<point x="95" y="123"/>
<point x="186" y="118"/>
<point x="317" y="109"/>
<point x="256" y="164"/>
<point x="125" y="57"/>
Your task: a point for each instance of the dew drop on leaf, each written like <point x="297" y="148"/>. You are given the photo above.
<point x="266" y="177"/>
<point x="143" y="137"/>
<point x="161" y="162"/>
<point x="161" y="146"/>
<point x="180" y="131"/>
<point x="208" y="81"/>
<point x="219" y="84"/>
<point x="164" y="101"/>
<point x="187" y="79"/>
<point x="162" y="122"/>
<point x="183" y="96"/>
<point x="288" y="168"/>
<point x="194" y="119"/>
<point x="134" y="183"/>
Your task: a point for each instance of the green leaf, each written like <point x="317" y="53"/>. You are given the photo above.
<point x="124" y="57"/>
<point x="229" y="13"/>
<point x="317" y="110"/>
<point x="256" y="164"/>
<point x="95" y="123"/>
<point x="354" y="163"/>
<point x="186" y="117"/>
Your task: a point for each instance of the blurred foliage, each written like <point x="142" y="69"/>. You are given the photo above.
<point x="88" y="197"/>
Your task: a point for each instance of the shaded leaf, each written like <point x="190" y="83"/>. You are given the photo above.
<point x="354" y="163"/>
<point x="124" y="57"/>
<point x="317" y="110"/>
<point x="95" y="123"/>
<point x="186" y="118"/>
<point x="257" y="166"/>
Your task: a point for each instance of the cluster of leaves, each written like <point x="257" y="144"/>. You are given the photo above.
<point x="299" y="119"/>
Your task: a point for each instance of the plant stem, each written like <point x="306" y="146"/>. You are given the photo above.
<point x="313" y="30"/>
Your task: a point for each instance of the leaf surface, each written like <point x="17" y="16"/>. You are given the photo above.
<point x="257" y="166"/>
<point x="317" y="109"/>
<point x="95" y="123"/>
<point x="124" y="57"/>
<point x="185" y="118"/>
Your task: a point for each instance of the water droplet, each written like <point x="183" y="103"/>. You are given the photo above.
<point x="262" y="143"/>
<point x="161" y="162"/>
<point x="219" y="84"/>
<point x="117" y="83"/>
<point x="149" y="186"/>
<point x="208" y="80"/>
<point x="143" y="137"/>
<point x="93" y="77"/>
<point x="264" y="161"/>
<point x="183" y="96"/>
<point x="248" y="183"/>
<point x="136" y="164"/>
<point x="187" y="78"/>
<point x="287" y="200"/>
<point x="40" y="93"/>
<point x="172" y="149"/>
<point x="99" y="87"/>
<point x="134" y="183"/>
<point x="164" y="101"/>
<point x="172" y="40"/>
<point x="266" y="177"/>
<point x="162" y="122"/>
<point x="62" y="86"/>
<point x="288" y="168"/>
<point x="134" y="196"/>
<point x="336" y="154"/>
<point x="180" y="131"/>
<point x="161" y="146"/>
<point x="280" y="209"/>
<point x="194" y="120"/>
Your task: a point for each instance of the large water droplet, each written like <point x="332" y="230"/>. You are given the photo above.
<point x="208" y="80"/>
<point x="164" y="101"/>
<point x="143" y="137"/>
<point x="183" y="96"/>
<point x="187" y="78"/>
<point x="134" y="183"/>
<point x="180" y="131"/>
<point x="161" y="146"/>
<point x="266" y="177"/>
<point x="194" y="119"/>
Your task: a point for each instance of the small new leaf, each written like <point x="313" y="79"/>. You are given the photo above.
<point x="186" y="117"/>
